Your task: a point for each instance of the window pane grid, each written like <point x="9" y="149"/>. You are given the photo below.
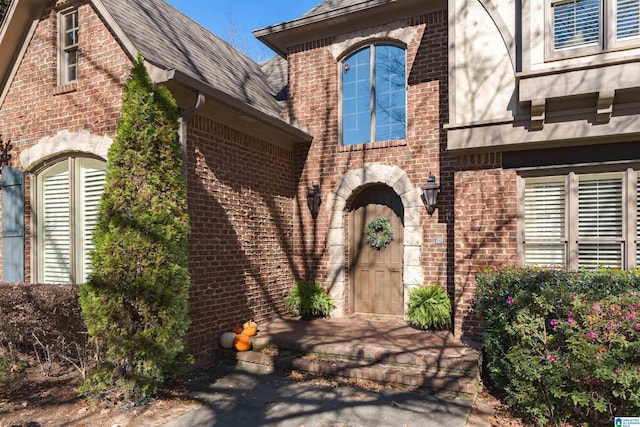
<point x="576" y="24"/>
<point x="374" y="95"/>
<point x="390" y="93"/>
<point x="627" y="18"/>
<point x="69" y="47"/>
<point x="356" y="98"/>
<point x="71" y="29"/>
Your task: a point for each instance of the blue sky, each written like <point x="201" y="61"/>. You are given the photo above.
<point x="234" y="20"/>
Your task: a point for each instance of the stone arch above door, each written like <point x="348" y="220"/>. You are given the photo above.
<point x="351" y="182"/>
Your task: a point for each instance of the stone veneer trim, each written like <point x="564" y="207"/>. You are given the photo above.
<point x="64" y="142"/>
<point x="397" y="179"/>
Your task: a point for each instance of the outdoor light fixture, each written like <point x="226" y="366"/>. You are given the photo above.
<point x="430" y="193"/>
<point x="313" y="200"/>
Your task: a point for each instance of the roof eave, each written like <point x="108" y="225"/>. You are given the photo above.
<point x="224" y="98"/>
<point x="273" y="36"/>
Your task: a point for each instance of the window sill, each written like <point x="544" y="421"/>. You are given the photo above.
<point x="373" y="145"/>
<point x="69" y="87"/>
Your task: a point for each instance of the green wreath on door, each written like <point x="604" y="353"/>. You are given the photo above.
<point x="379" y="233"/>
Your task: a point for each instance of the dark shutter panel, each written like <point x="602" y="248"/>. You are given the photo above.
<point x="12" y="225"/>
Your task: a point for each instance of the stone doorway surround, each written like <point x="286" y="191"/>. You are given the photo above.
<point x="339" y="203"/>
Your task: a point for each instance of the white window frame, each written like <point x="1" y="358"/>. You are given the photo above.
<point x="608" y="33"/>
<point x="630" y="258"/>
<point x="68" y="51"/>
<point x="78" y="243"/>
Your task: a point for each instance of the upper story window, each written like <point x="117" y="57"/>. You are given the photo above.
<point x="584" y="27"/>
<point x="373" y="95"/>
<point x="68" y="46"/>
<point x="67" y="201"/>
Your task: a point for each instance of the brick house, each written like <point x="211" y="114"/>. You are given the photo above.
<point x="527" y="127"/>
<point x="63" y="65"/>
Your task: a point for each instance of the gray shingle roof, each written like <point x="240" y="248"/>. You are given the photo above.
<point x="331" y="5"/>
<point x="169" y="39"/>
<point x="276" y="70"/>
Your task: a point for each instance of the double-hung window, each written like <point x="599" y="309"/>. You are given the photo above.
<point x="584" y="27"/>
<point x="580" y="220"/>
<point x="68" y="46"/>
<point x="373" y="95"/>
<point x="68" y="197"/>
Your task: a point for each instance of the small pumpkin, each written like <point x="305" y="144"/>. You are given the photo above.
<point x="242" y="343"/>
<point x="249" y="331"/>
<point x="227" y="339"/>
<point x="250" y="324"/>
<point x="236" y="329"/>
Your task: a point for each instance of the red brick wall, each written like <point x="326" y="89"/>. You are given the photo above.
<point x="240" y="192"/>
<point x="485" y="229"/>
<point x="240" y="188"/>
<point x="35" y="107"/>
<point x="314" y="101"/>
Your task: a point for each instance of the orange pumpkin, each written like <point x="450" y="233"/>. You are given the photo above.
<point x="242" y="343"/>
<point x="236" y="330"/>
<point x="249" y="331"/>
<point x="250" y="324"/>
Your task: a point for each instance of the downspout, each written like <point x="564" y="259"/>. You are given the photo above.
<point x="182" y="127"/>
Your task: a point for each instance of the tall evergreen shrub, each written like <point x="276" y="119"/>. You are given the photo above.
<point x="135" y="302"/>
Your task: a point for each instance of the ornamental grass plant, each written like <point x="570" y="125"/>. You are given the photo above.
<point x="308" y="299"/>
<point x="429" y="307"/>
<point x="563" y="345"/>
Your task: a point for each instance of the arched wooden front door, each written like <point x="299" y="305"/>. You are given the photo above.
<point x="376" y="275"/>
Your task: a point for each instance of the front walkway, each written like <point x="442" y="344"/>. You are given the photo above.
<point x="374" y="349"/>
<point x="232" y="397"/>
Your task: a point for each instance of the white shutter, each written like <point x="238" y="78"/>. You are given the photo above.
<point x="600" y="242"/>
<point x="544" y="229"/>
<point x="576" y="23"/>
<point x="627" y="19"/>
<point x="90" y="187"/>
<point x="55" y="226"/>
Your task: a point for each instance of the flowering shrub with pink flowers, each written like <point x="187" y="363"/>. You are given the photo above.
<point x="564" y="345"/>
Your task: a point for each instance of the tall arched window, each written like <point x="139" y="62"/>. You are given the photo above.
<point x="68" y="195"/>
<point x="373" y="95"/>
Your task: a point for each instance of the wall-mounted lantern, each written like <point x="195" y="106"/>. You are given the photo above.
<point x="430" y="193"/>
<point x="314" y="200"/>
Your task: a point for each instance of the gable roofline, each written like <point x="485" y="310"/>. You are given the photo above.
<point x="120" y="35"/>
<point x="318" y="15"/>
<point x="18" y="26"/>
<point x="333" y="17"/>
